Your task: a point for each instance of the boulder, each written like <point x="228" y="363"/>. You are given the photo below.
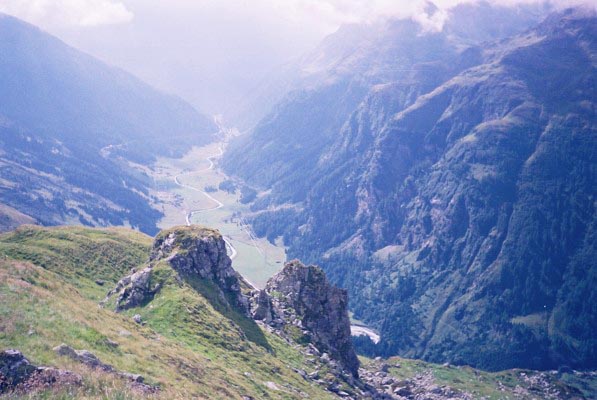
<point x="83" y="356"/>
<point x="14" y="369"/>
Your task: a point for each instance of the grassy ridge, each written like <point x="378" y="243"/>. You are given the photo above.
<point x="188" y="347"/>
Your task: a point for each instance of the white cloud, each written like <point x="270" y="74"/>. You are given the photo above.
<point x="333" y="13"/>
<point x="64" y="13"/>
<point x="320" y="15"/>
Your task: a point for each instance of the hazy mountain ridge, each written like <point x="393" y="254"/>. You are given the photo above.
<point x="330" y="83"/>
<point x="65" y="120"/>
<point x="359" y="54"/>
<point x="460" y="219"/>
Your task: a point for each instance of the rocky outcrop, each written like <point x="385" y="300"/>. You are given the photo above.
<point x="134" y="290"/>
<point x="92" y="361"/>
<point x="197" y="254"/>
<point x="301" y="296"/>
<point x="17" y="374"/>
<point x="14" y="369"/>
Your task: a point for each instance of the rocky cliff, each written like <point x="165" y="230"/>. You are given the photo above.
<point x="301" y="296"/>
<point x="196" y="254"/>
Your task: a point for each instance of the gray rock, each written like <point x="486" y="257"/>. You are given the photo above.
<point x="403" y="391"/>
<point x="65" y="351"/>
<point x="301" y="373"/>
<point x="111" y="343"/>
<point x="83" y="356"/>
<point x="137" y="318"/>
<point x="196" y="251"/>
<point x="14" y="369"/>
<point x="132" y="377"/>
<point x="134" y="290"/>
<point x="262" y="308"/>
<point x="387" y="381"/>
<point x="319" y="308"/>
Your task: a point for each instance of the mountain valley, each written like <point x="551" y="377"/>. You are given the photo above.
<point x="407" y="211"/>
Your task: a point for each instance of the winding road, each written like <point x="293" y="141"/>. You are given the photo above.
<point x="232" y="252"/>
<point x="362" y="330"/>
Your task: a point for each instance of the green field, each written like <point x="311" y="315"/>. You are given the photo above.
<point x="257" y="259"/>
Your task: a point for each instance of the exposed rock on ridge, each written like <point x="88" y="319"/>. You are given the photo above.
<point x="301" y="295"/>
<point x="193" y="252"/>
<point x="200" y="251"/>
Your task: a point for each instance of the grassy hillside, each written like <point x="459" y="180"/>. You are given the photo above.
<point x="188" y="347"/>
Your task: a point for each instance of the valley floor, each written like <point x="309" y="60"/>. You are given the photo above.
<point x="179" y="185"/>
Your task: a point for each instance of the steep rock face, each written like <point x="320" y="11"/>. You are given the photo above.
<point x="195" y="253"/>
<point x="320" y="308"/>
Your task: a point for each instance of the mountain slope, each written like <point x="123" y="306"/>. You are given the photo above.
<point x="315" y="96"/>
<point x="64" y="119"/>
<point x="463" y="218"/>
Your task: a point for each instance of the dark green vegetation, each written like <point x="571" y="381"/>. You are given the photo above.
<point x="192" y="346"/>
<point x="68" y="125"/>
<point x="448" y="185"/>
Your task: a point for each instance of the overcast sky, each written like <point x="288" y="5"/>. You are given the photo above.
<point x="208" y="51"/>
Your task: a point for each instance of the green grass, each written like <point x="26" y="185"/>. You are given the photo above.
<point x="191" y="346"/>
<point x="81" y="256"/>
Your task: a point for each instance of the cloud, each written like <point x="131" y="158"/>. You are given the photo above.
<point x="65" y="13"/>
<point x="432" y="18"/>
